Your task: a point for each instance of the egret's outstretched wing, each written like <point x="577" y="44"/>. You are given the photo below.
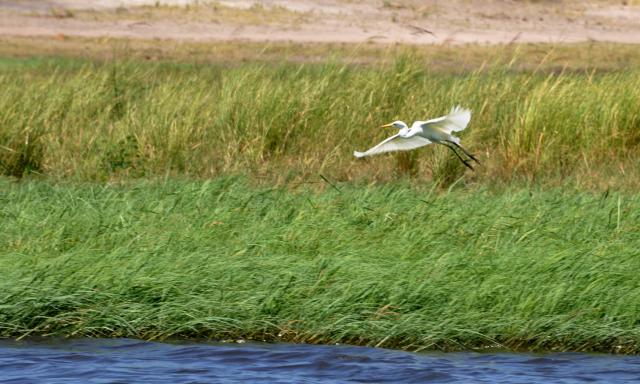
<point x="394" y="143"/>
<point x="455" y="121"/>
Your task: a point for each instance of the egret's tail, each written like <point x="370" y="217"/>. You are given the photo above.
<point x="455" y="139"/>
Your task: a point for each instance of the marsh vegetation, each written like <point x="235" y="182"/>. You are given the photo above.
<point x="160" y="199"/>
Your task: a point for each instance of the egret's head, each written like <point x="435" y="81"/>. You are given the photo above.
<point x="396" y="124"/>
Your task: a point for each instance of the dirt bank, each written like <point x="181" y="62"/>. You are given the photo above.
<point x="387" y="21"/>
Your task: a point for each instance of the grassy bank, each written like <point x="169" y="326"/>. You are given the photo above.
<point x="391" y="265"/>
<point x="283" y="122"/>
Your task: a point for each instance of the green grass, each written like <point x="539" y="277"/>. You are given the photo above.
<point x="386" y="265"/>
<point x="286" y="122"/>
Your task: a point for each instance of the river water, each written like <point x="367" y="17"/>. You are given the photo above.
<point x="134" y="361"/>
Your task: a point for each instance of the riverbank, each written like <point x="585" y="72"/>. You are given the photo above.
<point x="389" y="265"/>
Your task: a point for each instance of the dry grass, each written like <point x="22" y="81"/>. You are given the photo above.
<point x="439" y="58"/>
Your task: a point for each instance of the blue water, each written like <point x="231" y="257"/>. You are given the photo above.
<point x="133" y="361"/>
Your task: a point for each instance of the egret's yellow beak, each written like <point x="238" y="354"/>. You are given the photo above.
<point x="387" y="125"/>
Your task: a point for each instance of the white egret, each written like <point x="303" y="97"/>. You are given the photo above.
<point x="421" y="133"/>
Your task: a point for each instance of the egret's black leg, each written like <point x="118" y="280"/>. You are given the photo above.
<point x="464" y="150"/>
<point x="465" y="162"/>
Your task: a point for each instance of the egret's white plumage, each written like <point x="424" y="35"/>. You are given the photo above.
<point x="421" y="133"/>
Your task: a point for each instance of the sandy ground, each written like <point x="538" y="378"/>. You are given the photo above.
<point x="384" y="21"/>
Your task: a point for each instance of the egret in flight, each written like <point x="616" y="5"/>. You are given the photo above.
<point x="421" y="133"/>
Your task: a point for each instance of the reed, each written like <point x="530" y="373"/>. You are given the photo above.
<point x="286" y="122"/>
<point x="386" y="265"/>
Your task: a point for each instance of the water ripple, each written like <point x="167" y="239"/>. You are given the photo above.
<point x="124" y="361"/>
